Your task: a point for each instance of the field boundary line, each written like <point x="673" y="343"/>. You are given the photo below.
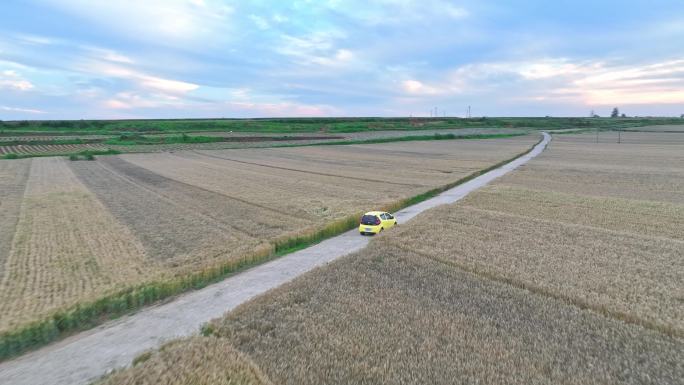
<point x="73" y="360"/>
<point x="575" y="225"/>
<point x="584" y="305"/>
<point x="306" y="172"/>
<point x="226" y="195"/>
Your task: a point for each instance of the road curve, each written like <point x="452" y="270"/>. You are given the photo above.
<point x="83" y="357"/>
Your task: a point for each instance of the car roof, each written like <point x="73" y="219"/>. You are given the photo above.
<point x="375" y="212"/>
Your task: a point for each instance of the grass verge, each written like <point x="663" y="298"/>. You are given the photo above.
<point x="409" y="138"/>
<point x="137" y="139"/>
<point x="87" y="315"/>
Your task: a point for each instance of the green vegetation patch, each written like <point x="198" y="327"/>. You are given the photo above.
<point x="331" y="125"/>
<point x="137" y="139"/>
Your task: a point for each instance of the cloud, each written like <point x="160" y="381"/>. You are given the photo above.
<point x="260" y="22"/>
<point x="132" y="100"/>
<point x="192" y="57"/>
<point x="138" y="78"/>
<point x="398" y="12"/>
<point x="108" y="55"/>
<point x="10" y="79"/>
<point x="163" y="22"/>
<point x="35" y="39"/>
<point x="455" y="12"/>
<point x="654" y="83"/>
<point x="317" y="49"/>
<point x="416" y="87"/>
<point x="24" y="110"/>
<point x="165" y="85"/>
<point x="281" y="109"/>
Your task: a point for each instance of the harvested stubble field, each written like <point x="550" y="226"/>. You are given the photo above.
<point x="133" y="228"/>
<point x="319" y="184"/>
<point x="66" y="248"/>
<point x="50" y="149"/>
<point x="526" y="281"/>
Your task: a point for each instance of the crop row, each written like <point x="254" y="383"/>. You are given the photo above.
<point x="48" y="149"/>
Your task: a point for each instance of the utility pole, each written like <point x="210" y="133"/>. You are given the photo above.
<point x="619" y="138"/>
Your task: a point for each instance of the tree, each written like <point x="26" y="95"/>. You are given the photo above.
<point x="623" y="115"/>
<point x="615" y="113"/>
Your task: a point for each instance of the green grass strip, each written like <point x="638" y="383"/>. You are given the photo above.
<point x="136" y="139"/>
<point x="88" y="315"/>
<point x="408" y="138"/>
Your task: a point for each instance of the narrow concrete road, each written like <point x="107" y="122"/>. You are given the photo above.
<point x="88" y="355"/>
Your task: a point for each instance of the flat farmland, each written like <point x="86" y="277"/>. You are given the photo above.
<point x="538" y="278"/>
<point x="318" y="184"/>
<point x="122" y="227"/>
<point x="597" y="225"/>
<point x="45" y="144"/>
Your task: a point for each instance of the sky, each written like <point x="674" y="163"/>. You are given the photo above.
<point x="92" y="59"/>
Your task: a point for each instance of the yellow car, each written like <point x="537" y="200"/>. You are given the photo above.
<point x="374" y="222"/>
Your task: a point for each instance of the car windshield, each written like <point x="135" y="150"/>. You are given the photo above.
<point x="369" y="220"/>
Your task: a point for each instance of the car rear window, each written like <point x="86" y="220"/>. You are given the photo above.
<point x="369" y="220"/>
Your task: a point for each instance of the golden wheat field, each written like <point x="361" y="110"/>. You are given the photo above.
<point x="175" y="364"/>
<point x="533" y="279"/>
<point x="75" y="231"/>
<point x="387" y="315"/>
<point x="612" y="243"/>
